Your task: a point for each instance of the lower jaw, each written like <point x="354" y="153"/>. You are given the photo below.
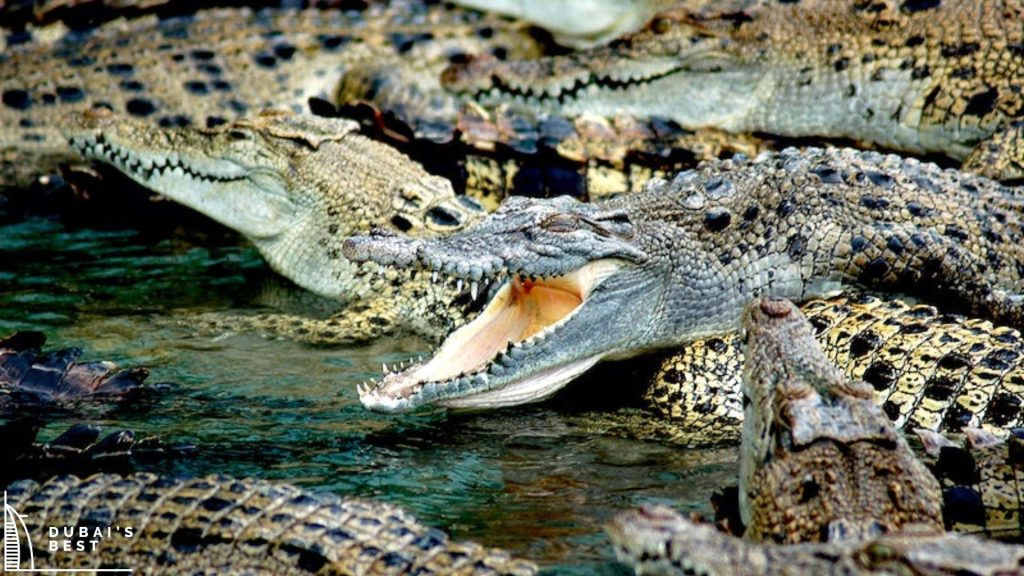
<point x="535" y="388"/>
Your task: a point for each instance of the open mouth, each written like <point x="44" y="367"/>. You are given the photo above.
<point x="484" y="364"/>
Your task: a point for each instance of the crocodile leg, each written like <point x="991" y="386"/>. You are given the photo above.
<point x="1001" y="157"/>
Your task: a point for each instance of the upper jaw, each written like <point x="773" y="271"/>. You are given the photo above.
<point x="149" y="167"/>
<point x="557" y="80"/>
<point x="527" y="344"/>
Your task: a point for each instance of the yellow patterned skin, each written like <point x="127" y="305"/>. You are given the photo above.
<point x="222" y="525"/>
<point x="929" y="370"/>
<point x="982" y="480"/>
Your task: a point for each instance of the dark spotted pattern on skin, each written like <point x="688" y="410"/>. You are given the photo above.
<point x="982" y="482"/>
<point x="916" y="76"/>
<point x="906" y="353"/>
<point x="214" y="65"/>
<point x="222" y="525"/>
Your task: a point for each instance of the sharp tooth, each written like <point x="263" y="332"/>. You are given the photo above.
<point x="458" y="285"/>
<point x="433" y="276"/>
<point x="384" y="367"/>
<point x="472" y="290"/>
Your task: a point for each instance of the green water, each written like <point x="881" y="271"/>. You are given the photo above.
<point x="530" y="479"/>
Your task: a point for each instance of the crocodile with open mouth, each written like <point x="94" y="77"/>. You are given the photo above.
<point x="821" y="467"/>
<point x="920" y="77"/>
<point x="579" y="283"/>
<point x="223" y="525"/>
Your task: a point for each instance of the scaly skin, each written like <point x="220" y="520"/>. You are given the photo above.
<point x="799" y="406"/>
<point x="215" y="65"/>
<point x="929" y="370"/>
<point x="492" y="154"/>
<point x="28" y="377"/>
<point x="220" y="525"/>
<point x="818" y="457"/>
<point x="656" y="540"/>
<point x="920" y="77"/>
<point x="208" y="77"/>
<point x="678" y="261"/>
<point x="78" y="450"/>
<point x="981" y="478"/>
<point x="297" y="186"/>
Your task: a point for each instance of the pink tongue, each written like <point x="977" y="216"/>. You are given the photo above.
<point x="522" y="310"/>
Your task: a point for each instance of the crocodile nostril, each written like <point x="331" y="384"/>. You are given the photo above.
<point x="442" y="216"/>
<point x="402" y="223"/>
<point x="470" y="203"/>
<point x="776" y="307"/>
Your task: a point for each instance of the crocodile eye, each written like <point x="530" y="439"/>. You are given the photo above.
<point x="661" y="25"/>
<point x="877" y="554"/>
<point x="560" y="223"/>
<point x="238" y="135"/>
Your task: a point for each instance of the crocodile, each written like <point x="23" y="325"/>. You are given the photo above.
<point x="223" y="525"/>
<point x="929" y="370"/>
<point x="28" y="377"/>
<point x="863" y="503"/>
<point x="657" y="540"/>
<point x="219" y="65"/>
<point x="930" y="77"/>
<point x="305" y="183"/>
<point x="206" y="68"/>
<point x="803" y="418"/>
<point x="678" y="260"/>
<point x="78" y="450"/>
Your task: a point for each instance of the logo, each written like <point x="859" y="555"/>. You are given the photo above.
<point x="20" y="557"/>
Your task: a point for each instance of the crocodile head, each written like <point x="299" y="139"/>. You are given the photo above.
<point x="803" y="418"/>
<point x="658" y="71"/>
<point x="570" y="286"/>
<point x="295" y="185"/>
<point x="658" y="540"/>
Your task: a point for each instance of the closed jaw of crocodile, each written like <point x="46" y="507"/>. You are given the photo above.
<point x="294" y="185"/>
<point x="658" y="540"/>
<point x="233" y="184"/>
<point x="654" y="72"/>
<point x="540" y="328"/>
